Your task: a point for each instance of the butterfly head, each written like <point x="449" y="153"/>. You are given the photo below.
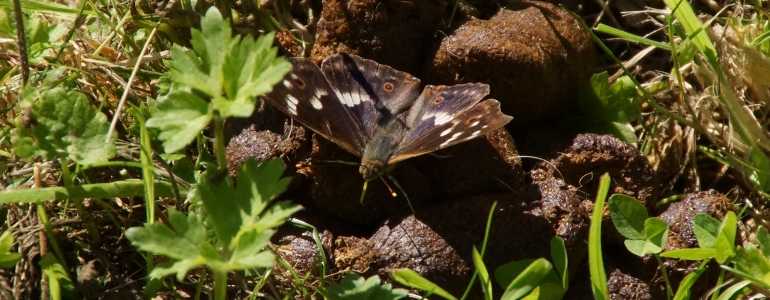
<point x="371" y="168"/>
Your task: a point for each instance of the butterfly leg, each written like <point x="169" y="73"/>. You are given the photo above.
<point x="393" y="179"/>
<point x="341" y="162"/>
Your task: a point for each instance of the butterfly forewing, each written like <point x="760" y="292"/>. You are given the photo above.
<point x="305" y="95"/>
<point x="376" y="94"/>
<point x="429" y="136"/>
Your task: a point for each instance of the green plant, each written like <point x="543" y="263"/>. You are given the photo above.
<point x="644" y="235"/>
<point x="524" y="279"/>
<point x="241" y="218"/>
<point x="595" y="260"/>
<point x="607" y="108"/>
<point x="230" y="71"/>
<point x="355" y="287"/>
<point x="7" y="259"/>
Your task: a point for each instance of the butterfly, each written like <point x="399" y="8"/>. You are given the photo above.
<point x="380" y="114"/>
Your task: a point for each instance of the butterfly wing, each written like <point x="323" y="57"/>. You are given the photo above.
<point x="447" y="115"/>
<point x="376" y="94"/>
<point x="306" y="96"/>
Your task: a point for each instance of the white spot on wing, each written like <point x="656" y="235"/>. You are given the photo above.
<point x="475" y="134"/>
<point x="291" y="104"/>
<point x="292" y="108"/>
<point x="292" y="100"/>
<point x="316" y="103"/>
<point x="355" y="99"/>
<point x="454" y="137"/>
<point x="442" y="118"/>
<point x="484" y="127"/>
<point x="287" y="83"/>
<point x="475" y="123"/>
<point x="445" y="132"/>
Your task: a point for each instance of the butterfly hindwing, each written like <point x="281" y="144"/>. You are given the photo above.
<point x="447" y="115"/>
<point x="306" y="95"/>
<point x="375" y="93"/>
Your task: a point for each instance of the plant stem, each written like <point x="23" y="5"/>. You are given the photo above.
<point x="219" y="141"/>
<point x="669" y="289"/>
<point x="220" y="285"/>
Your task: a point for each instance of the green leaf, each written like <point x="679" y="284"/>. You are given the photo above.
<point x="250" y="251"/>
<point x="64" y="124"/>
<point x="7" y="259"/>
<point x="186" y="243"/>
<point x="691" y="254"/>
<point x="201" y="67"/>
<point x="641" y="247"/>
<point x="277" y="214"/>
<point x="706" y="230"/>
<point x="725" y="243"/>
<point x="221" y="205"/>
<point x="628" y="216"/>
<point x="684" y="291"/>
<point x="751" y="261"/>
<point x="530" y="278"/>
<point x="735" y="291"/>
<point x="560" y="260"/>
<point x="355" y="287"/>
<point x="59" y="284"/>
<point x="683" y="11"/>
<point x="259" y="184"/>
<point x="657" y="233"/>
<point x="411" y="279"/>
<point x="481" y="269"/>
<point x="595" y="260"/>
<point x="180" y="117"/>
<point x="764" y="241"/>
<point x="250" y="69"/>
<point x="760" y="172"/>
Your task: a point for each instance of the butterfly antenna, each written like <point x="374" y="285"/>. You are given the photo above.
<point x="366" y="183"/>
<point x="402" y="191"/>
<point x="392" y="193"/>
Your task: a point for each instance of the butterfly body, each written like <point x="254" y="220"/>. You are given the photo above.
<point x="380" y="114"/>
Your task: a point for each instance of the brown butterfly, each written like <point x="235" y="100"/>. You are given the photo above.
<point x="380" y="114"/>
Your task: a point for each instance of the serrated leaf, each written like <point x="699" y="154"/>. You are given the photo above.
<point x="411" y="279"/>
<point x="249" y="251"/>
<point x="657" y="233"/>
<point x="184" y="242"/>
<point x="251" y="69"/>
<point x="260" y="184"/>
<point x="706" y="230"/>
<point x="64" y="125"/>
<point x="180" y="117"/>
<point x="628" y="216"/>
<point x="201" y="67"/>
<point x="355" y="287"/>
<point x="220" y="203"/>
